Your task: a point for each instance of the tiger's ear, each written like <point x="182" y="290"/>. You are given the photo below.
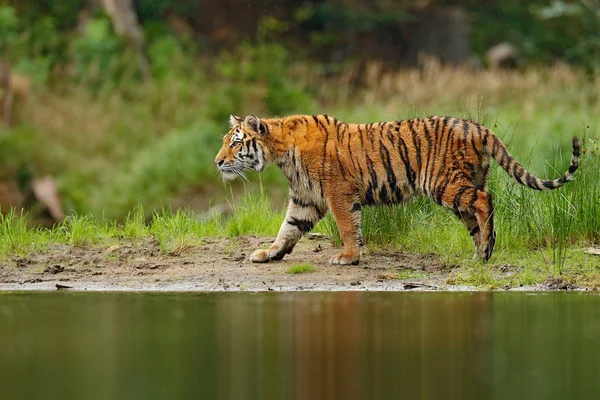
<point x="253" y="123"/>
<point x="234" y="120"/>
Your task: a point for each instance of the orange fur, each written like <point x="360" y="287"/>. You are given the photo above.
<point x="332" y="165"/>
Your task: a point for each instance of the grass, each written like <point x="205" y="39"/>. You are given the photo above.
<point x="411" y="274"/>
<point x="300" y="268"/>
<point x="421" y="227"/>
<point x="174" y="230"/>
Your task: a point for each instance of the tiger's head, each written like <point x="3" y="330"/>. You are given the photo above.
<point x="243" y="147"/>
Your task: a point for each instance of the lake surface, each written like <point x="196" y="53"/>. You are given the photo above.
<point x="343" y="345"/>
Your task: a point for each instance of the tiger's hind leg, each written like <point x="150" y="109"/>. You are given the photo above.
<point x="467" y="200"/>
<point x="484" y="212"/>
<point x="470" y="222"/>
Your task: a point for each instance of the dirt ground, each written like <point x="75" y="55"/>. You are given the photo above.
<point x="218" y="265"/>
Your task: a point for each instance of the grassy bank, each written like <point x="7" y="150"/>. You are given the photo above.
<point x="526" y="253"/>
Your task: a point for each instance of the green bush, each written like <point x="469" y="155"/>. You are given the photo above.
<point x="257" y="72"/>
<point x="96" y="52"/>
<point x="8" y="28"/>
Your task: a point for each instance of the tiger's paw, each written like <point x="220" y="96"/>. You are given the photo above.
<point x="345" y="259"/>
<point x="260" y="256"/>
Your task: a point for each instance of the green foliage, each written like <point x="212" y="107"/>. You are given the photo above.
<point x="177" y="231"/>
<point x="165" y="53"/>
<point x="8" y="27"/>
<point x="80" y="230"/>
<point x="177" y="160"/>
<point x="16" y="148"/>
<point x="411" y="274"/>
<point x="577" y="31"/>
<point x="42" y="35"/>
<point x="254" y="215"/>
<point x="300" y="268"/>
<point x="95" y="52"/>
<point x="135" y="223"/>
<point x="16" y="239"/>
<point x="543" y="30"/>
<point x="257" y="72"/>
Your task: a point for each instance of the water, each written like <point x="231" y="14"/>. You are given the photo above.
<point x="300" y="345"/>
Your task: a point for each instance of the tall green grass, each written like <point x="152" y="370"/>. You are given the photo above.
<point x="254" y="214"/>
<point x="16" y="239"/>
<point x="175" y="231"/>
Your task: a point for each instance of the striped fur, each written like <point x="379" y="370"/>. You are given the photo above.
<point x="332" y="165"/>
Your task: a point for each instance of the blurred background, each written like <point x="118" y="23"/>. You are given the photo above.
<point x="107" y="104"/>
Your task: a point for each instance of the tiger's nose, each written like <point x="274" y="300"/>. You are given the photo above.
<point x="219" y="162"/>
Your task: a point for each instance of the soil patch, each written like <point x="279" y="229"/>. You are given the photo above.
<point x="217" y="264"/>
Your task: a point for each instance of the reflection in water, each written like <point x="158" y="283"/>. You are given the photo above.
<point x="303" y="345"/>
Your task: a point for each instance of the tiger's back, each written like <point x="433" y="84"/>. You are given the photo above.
<point x="332" y="165"/>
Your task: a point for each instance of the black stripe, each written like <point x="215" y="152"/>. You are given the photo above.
<point x="369" y="195"/>
<point x="339" y="134"/>
<point x="292" y="124"/>
<point x="363" y="151"/>
<point x="302" y="203"/>
<point x="362" y="141"/>
<point x="372" y="173"/>
<point x="473" y="200"/>
<point x="445" y="152"/>
<point x="474" y="231"/>
<point x="512" y="169"/>
<point x="531" y="181"/>
<point x="307" y="173"/>
<point x="303" y="225"/>
<point x="319" y="123"/>
<point x="356" y="207"/>
<point x="548" y="184"/>
<point x="473" y="144"/>
<point x="428" y="139"/>
<point x="404" y="157"/>
<point x="342" y="170"/>
<point x="324" y="160"/>
<point x="485" y="138"/>
<point x="417" y="145"/>
<point x="495" y="147"/>
<point x="465" y="128"/>
<point x="370" y="135"/>
<point x="459" y="196"/>
<point x="433" y="156"/>
<point x="387" y="164"/>
<point x="441" y="189"/>
<point x="383" y="195"/>
<point x="519" y="172"/>
<point x="349" y="146"/>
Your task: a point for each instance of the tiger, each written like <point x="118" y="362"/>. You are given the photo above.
<point x="335" y="166"/>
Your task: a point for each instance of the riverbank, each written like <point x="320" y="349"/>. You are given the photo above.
<point x="221" y="264"/>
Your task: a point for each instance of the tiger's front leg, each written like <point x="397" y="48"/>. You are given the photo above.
<point x="300" y="218"/>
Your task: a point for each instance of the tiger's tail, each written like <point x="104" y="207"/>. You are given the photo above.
<point x="497" y="150"/>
